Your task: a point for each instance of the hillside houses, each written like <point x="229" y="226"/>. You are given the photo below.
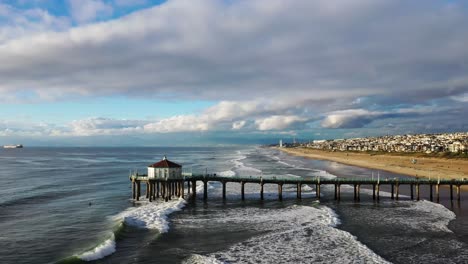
<point x="427" y="143"/>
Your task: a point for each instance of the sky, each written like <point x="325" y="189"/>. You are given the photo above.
<point x="215" y="72"/>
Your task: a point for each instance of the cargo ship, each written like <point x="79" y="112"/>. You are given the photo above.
<point x="13" y="146"/>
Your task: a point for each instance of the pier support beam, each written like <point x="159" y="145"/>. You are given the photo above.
<point x="150" y="195"/>
<point x="261" y="191"/>
<point x="378" y="192"/>
<point x="411" y="191"/>
<point x="458" y="193"/>
<point x="182" y="184"/>
<point x="373" y="192"/>
<point x="147" y="189"/>
<point x="169" y="191"/>
<point x="417" y="192"/>
<point x="133" y="190"/>
<point x="437" y="192"/>
<point x="359" y="192"/>
<point x="157" y="189"/>
<point x="280" y="191"/>
<point x="355" y="191"/>
<point x="243" y="190"/>
<point x="205" y="190"/>
<point x="397" y="190"/>
<point x="338" y="190"/>
<point x="430" y="193"/>
<point x="224" y="190"/>
<point x="138" y="191"/>
<point x="194" y="188"/>
<point x="451" y="192"/>
<point x="318" y="191"/>
<point x="392" y="191"/>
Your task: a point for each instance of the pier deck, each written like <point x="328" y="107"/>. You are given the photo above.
<point x="167" y="189"/>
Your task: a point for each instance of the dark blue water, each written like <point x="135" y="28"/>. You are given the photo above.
<point x="70" y="204"/>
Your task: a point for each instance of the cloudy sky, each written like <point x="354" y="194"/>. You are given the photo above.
<point x="185" y="72"/>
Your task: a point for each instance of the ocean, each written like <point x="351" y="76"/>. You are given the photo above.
<point x="72" y="205"/>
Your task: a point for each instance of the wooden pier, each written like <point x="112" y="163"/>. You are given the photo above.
<point x="168" y="189"/>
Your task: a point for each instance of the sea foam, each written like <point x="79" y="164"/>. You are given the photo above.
<point x="101" y="251"/>
<point x="147" y="215"/>
<point x="152" y="215"/>
<point x="296" y="234"/>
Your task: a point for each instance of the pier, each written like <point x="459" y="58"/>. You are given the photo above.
<point x="170" y="188"/>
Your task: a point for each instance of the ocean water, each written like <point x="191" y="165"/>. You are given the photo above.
<point x="72" y="205"/>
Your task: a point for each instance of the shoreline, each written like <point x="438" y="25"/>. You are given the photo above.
<point x="428" y="167"/>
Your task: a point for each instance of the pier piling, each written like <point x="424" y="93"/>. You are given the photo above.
<point x="280" y="191"/>
<point x="339" y="191"/>
<point x="205" y="189"/>
<point x="359" y="192"/>
<point x="373" y="192"/>
<point x="261" y="191"/>
<point x="392" y="191"/>
<point x="150" y="195"/>
<point x="397" y="190"/>
<point x="411" y="191"/>
<point x="417" y="191"/>
<point x="224" y="190"/>
<point x="378" y="192"/>
<point x="243" y="191"/>
<point x="430" y="192"/>
<point x="451" y="192"/>
<point x="138" y="191"/>
<point x="194" y="188"/>
<point x="355" y="191"/>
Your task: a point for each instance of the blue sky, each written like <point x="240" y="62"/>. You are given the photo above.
<point x="142" y="72"/>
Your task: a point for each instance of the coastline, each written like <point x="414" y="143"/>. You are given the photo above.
<point x="428" y="167"/>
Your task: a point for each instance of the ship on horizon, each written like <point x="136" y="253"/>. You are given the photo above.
<point x="13" y="146"/>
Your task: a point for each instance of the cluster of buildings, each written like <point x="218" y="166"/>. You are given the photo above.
<point x="426" y="143"/>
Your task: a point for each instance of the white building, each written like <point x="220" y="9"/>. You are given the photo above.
<point x="164" y="170"/>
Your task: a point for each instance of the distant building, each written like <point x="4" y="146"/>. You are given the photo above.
<point x="165" y="170"/>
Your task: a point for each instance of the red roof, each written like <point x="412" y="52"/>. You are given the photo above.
<point x="165" y="163"/>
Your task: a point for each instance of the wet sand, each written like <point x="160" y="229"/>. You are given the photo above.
<point x="428" y="167"/>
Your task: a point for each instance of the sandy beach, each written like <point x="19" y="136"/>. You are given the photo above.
<point x="424" y="167"/>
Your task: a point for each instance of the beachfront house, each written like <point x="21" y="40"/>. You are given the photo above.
<point x="164" y="170"/>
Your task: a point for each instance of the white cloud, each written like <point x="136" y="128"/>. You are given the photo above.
<point x="351" y="118"/>
<point x="84" y="11"/>
<point x="17" y="23"/>
<point x="187" y="123"/>
<point x="102" y="126"/>
<point x="278" y="122"/>
<point x="238" y="124"/>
